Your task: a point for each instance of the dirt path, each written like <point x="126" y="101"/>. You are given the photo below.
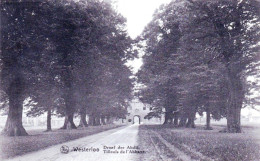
<point x="169" y="152"/>
<point x="92" y="148"/>
<point x="181" y="155"/>
<point x="179" y="144"/>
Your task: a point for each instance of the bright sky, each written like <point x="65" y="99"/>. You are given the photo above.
<point x="138" y="14"/>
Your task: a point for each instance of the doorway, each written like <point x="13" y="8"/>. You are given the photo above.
<point x="136" y="119"/>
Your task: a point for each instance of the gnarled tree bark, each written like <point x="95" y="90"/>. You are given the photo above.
<point x="83" y="122"/>
<point x="13" y="126"/>
<point x="68" y="122"/>
<point x="69" y="99"/>
<point x="91" y="120"/>
<point x="168" y="117"/>
<point x="235" y="102"/>
<point x="183" y="121"/>
<point x="191" y="120"/>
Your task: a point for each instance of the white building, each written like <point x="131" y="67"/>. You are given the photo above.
<point x="138" y="111"/>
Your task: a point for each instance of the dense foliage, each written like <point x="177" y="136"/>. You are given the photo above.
<point x="198" y="55"/>
<point x="65" y="58"/>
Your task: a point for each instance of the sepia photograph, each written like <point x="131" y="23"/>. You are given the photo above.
<point x="129" y="80"/>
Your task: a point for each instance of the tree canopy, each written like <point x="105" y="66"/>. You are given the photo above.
<point x="66" y="57"/>
<point x="197" y="57"/>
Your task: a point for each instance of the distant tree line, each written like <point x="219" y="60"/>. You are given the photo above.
<point x="65" y="58"/>
<point x="197" y="57"/>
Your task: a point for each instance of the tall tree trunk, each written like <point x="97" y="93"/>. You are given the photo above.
<point x="68" y="122"/>
<point x="65" y="123"/>
<point x="71" y="123"/>
<point x="235" y="102"/>
<point x="168" y="117"/>
<point x="176" y="118"/>
<point x="208" y="119"/>
<point x="83" y="122"/>
<point x="49" y="119"/>
<point x="109" y="120"/>
<point x="13" y="126"/>
<point x="171" y="118"/>
<point x="94" y="120"/>
<point x="68" y="96"/>
<point x="190" y="122"/>
<point x="183" y="121"/>
<point x="91" y="120"/>
<point x="97" y="121"/>
<point x="103" y="120"/>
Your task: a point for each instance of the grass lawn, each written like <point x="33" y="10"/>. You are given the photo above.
<point x="209" y="143"/>
<point x="37" y="139"/>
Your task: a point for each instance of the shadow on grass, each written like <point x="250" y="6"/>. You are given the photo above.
<point x="211" y="143"/>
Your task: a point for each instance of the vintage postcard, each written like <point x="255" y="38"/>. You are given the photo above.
<point x="129" y="80"/>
